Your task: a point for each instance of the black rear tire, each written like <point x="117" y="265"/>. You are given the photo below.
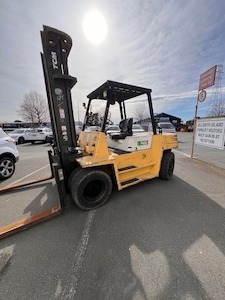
<point x="32" y="142"/>
<point x="167" y="165"/>
<point x="90" y="189"/>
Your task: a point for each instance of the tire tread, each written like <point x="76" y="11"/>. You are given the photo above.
<point x="167" y="159"/>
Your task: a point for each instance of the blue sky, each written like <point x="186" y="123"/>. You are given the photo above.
<point x="160" y="44"/>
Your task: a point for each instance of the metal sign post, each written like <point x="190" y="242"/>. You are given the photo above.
<point x="207" y="79"/>
<point x="201" y="98"/>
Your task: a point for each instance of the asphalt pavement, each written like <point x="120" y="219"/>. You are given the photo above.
<point x="154" y="240"/>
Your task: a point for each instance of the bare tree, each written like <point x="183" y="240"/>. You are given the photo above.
<point x="140" y="112"/>
<point x="217" y="108"/>
<point x="34" y="108"/>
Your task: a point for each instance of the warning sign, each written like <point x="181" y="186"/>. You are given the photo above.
<point x="210" y="132"/>
<point x="207" y="78"/>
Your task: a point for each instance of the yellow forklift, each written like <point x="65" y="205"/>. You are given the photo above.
<point x="96" y="160"/>
<point x="89" y="164"/>
<point x="123" y="158"/>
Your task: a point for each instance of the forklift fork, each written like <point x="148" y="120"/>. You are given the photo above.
<point x="56" y="48"/>
<point x="56" y="172"/>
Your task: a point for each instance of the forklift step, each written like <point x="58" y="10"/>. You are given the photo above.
<point x="129" y="181"/>
<point x="134" y="175"/>
<point x="134" y="168"/>
<point x="126" y="168"/>
<point x="136" y="180"/>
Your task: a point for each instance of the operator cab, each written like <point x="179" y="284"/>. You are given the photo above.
<point x="115" y="102"/>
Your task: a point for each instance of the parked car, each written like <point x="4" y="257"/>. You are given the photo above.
<point x="19" y="135"/>
<point x="38" y="134"/>
<point x="49" y="138"/>
<point x="137" y="128"/>
<point x="166" y="127"/>
<point x="78" y="129"/>
<point x="9" y="155"/>
<point x="116" y="128"/>
<point x="112" y="129"/>
<point x="93" y="128"/>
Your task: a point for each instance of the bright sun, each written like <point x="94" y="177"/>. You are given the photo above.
<point x="95" y="27"/>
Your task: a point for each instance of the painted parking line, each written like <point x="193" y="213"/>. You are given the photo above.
<point x="70" y="289"/>
<point x="182" y="153"/>
<point x="28" y="175"/>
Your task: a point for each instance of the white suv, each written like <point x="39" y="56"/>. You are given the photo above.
<point x="38" y="134"/>
<point x="9" y="155"/>
<point x="19" y="135"/>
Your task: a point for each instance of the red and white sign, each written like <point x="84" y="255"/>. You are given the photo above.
<point x="207" y="78"/>
<point x="202" y="96"/>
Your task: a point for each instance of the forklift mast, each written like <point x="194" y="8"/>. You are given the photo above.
<point x="56" y="48"/>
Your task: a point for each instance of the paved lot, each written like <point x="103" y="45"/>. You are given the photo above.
<point x="155" y="240"/>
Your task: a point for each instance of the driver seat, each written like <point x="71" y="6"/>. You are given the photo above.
<point x="125" y="130"/>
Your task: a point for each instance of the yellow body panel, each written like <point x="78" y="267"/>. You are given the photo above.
<point x="129" y="168"/>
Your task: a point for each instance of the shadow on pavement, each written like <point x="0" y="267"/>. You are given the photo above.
<point x="28" y="201"/>
<point x="155" y="240"/>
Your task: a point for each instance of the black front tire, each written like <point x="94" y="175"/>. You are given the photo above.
<point x="32" y="142"/>
<point x="167" y="165"/>
<point x="7" y="167"/>
<point x="72" y="177"/>
<point x="90" y="189"/>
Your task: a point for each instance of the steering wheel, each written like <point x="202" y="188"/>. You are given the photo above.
<point x="108" y="121"/>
